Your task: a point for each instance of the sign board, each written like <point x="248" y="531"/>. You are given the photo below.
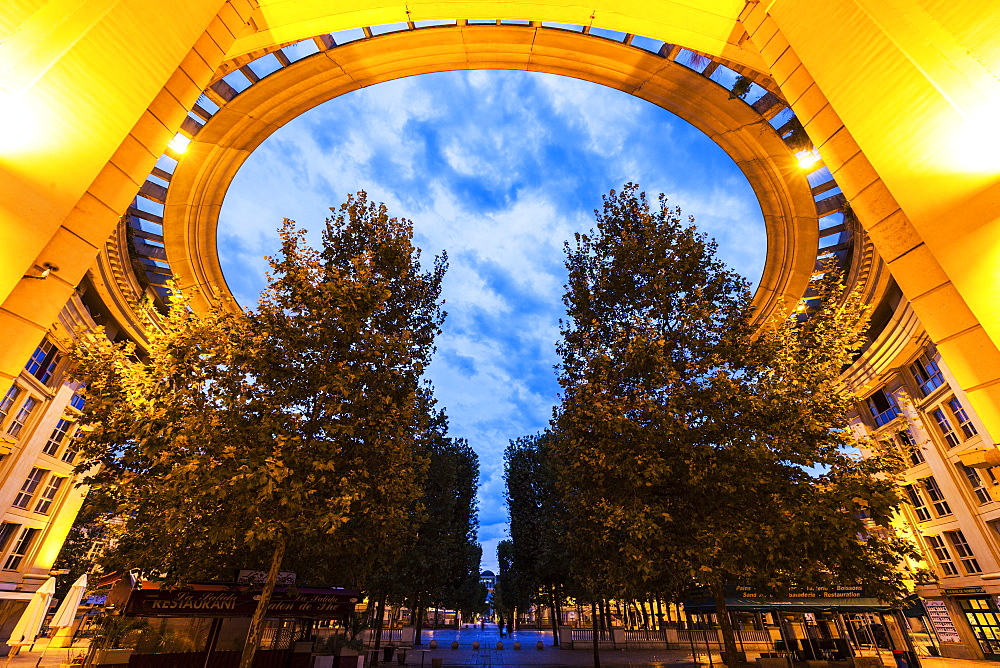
<point x="839" y="598"/>
<point x="285" y="578"/>
<point x="941" y="622"/>
<point x="240" y="602"/>
<point x="963" y="591"/>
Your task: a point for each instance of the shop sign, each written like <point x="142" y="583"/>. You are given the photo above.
<point x="937" y="613"/>
<point x="236" y="603"/>
<point x="285" y="578"/>
<point x="835" y="591"/>
<point x="963" y="591"/>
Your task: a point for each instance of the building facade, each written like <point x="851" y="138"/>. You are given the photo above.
<point x="911" y="401"/>
<point x="117" y="144"/>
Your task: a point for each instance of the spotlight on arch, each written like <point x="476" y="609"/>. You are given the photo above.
<point x="179" y="143"/>
<point x="807" y="158"/>
<point x="20" y="127"/>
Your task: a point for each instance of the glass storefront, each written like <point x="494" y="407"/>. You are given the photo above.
<point x="984" y="619"/>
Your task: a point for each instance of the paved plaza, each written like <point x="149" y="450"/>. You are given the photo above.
<point x="489" y="655"/>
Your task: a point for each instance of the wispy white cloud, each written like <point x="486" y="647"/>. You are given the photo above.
<point x="499" y="168"/>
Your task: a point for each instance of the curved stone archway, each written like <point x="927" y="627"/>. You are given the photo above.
<point x="709" y="26"/>
<point x="199" y="184"/>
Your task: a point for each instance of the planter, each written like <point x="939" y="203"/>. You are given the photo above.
<point x="346" y="658"/>
<point x="105" y="657"/>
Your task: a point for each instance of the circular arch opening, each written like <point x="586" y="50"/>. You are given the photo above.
<point x="220" y="146"/>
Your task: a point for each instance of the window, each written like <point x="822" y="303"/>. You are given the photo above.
<point x="964" y="423"/>
<point x="8" y="401"/>
<point x="43" y="361"/>
<point x="944" y="424"/>
<point x="21" y="548"/>
<point x="70" y="453"/>
<point x="976" y="483"/>
<point x="919" y="506"/>
<point x="883" y="407"/>
<point x="942" y="555"/>
<point x="909" y="447"/>
<point x="964" y="552"/>
<point x="17" y="424"/>
<point x="941" y="506"/>
<point x="927" y="373"/>
<point x="48" y="495"/>
<point x="7" y="530"/>
<point x="56" y="439"/>
<point x="23" y="497"/>
<point x="77" y="401"/>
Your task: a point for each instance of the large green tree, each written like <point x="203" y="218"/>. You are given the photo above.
<point x="444" y="551"/>
<point x="540" y="560"/>
<point x="707" y="451"/>
<point x="245" y="437"/>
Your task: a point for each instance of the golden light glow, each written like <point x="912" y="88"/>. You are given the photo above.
<point x="20" y="125"/>
<point x="179" y="143"/>
<point x="975" y="146"/>
<point x="807" y="158"/>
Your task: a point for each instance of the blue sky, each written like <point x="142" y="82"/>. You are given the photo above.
<point x="499" y="168"/>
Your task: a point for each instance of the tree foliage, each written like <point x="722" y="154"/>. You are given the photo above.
<point x="693" y="448"/>
<point x="235" y="439"/>
<point x="539" y="561"/>
<point x="443" y="553"/>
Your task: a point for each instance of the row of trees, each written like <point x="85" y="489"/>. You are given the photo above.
<point x="298" y="436"/>
<point x="691" y="447"/>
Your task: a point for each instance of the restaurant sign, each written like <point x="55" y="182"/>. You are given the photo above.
<point x="240" y="602"/>
<point x="246" y="577"/>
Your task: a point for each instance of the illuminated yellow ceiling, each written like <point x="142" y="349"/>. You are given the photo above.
<point x="710" y="26"/>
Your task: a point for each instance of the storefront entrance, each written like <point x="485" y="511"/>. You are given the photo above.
<point x="984" y="619"/>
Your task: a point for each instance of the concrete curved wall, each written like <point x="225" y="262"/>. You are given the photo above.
<point x="203" y="175"/>
<point x="710" y="26"/>
<point x="899" y="96"/>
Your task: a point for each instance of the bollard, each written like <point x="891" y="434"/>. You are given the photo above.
<point x="454" y="644"/>
<point x="517" y="644"/>
<point x="434" y="644"/>
<point x="475" y="644"/>
<point x="499" y="644"/>
<point x="539" y="645"/>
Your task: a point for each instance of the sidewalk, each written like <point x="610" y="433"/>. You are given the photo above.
<point x="42" y="656"/>
<point x="489" y="655"/>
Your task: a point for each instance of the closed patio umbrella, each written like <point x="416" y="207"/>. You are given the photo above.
<point x="66" y="614"/>
<point x="27" y="626"/>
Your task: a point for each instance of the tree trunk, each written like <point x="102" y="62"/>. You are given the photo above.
<point x="378" y="625"/>
<point x="419" y="621"/>
<point x="257" y="621"/>
<point x="555" y="616"/>
<point x="596" y="633"/>
<point x="725" y="625"/>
